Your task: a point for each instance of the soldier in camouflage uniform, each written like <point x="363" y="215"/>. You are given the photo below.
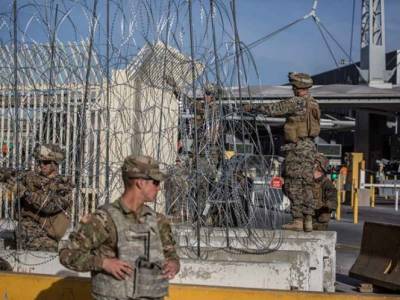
<point x="128" y="247"/>
<point x="302" y="125"/>
<point x="208" y="125"/>
<point x="325" y="194"/>
<point x="46" y="200"/>
<point x="208" y="128"/>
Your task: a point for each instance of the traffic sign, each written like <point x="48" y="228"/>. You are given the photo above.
<point x="276" y="182"/>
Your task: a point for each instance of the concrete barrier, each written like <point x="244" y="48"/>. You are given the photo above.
<point x="286" y="270"/>
<point x="379" y="258"/>
<point x="279" y="270"/>
<point x="303" y="261"/>
<point x="320" y="245"/>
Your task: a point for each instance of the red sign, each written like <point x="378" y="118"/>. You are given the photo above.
<point x="276" y="182"/>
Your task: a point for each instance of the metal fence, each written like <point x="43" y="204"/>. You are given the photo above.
<point x="105" y="79"/>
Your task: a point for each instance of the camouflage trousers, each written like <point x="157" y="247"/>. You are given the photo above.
<point x="301" y="197"/>
<point x="34" y="237"/>
<point x="300" y="159"/>
<point x="298" y="176"/>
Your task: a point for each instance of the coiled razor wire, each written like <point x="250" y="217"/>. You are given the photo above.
<point x="105" y="79"/>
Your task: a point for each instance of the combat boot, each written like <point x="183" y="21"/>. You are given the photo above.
<point x="307" y="223"/>
<point x="324" y="218"/>
<point x="320" y="226"/>
<point x="296" y="225"/>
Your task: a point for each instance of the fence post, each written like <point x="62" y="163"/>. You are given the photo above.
<point x="372" y="191"/>
<point x="353" y="193"/>
<point x="355" y="208"/>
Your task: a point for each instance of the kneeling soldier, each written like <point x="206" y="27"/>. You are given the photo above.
<point x="325" y="194"/>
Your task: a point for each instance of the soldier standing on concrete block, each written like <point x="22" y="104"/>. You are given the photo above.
<point x="301" y="127"/>
<point x="325" y="194"/>
<point x="46" y="199"/>
<point x="127" y="246"/>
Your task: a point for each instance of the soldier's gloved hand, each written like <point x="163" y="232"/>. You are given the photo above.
<point x="118" y="268"/>
<point x="13" y="186"/>
<point x="170" y="269"/>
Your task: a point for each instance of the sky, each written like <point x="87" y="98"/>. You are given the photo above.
<point x="299" y="48"/>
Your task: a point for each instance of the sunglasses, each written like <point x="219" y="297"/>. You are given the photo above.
<point x="156" y="182"/>
<point x="45" y="162"/>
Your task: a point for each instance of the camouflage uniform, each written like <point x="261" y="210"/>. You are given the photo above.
<point x="208" y="125"/>
<point x="97" y="237"/>
<point x="301" y="126"/>
<point x="325" y="194"/>
<point x="45" y="202"/>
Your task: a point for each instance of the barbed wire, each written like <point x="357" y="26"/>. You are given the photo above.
<point x="125" y="86"/>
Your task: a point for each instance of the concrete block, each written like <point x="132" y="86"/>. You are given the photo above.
<point x="272" y="270"/>
<point x="236" y="274"/>
<point x="315" y="272"/>
<point x="278" y="270"/>
<point x="327" y="241"/>
<point x="319" y="245"/>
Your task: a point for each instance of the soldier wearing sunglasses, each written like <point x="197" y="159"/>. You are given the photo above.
<point x="45" y="197"/>
<point x="128" y="247"/>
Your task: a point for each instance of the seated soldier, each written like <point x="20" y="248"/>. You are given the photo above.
<point x="45" y="197"/>
<point x="325" y="194"/>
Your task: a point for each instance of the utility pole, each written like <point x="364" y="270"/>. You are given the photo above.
<point x="373" y="51"/>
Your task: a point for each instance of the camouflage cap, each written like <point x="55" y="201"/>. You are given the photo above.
<point x="322" y="162"/>
<point x="300" y="80"/>
<point x="142" y="167"/>
<point x="49" y="152"/>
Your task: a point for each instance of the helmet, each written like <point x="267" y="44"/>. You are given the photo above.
<point x="300" y="80"/>
<point x="49" y="152"/>
<point x="322" y="162"/>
